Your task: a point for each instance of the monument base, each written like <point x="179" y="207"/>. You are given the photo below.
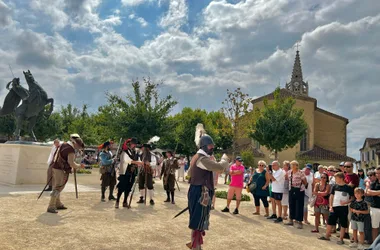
<point x="24" y="162"/>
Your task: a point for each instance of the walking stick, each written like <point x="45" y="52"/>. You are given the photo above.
<point x="43" y="190"/>
<point x="176" y="183"/>
<point x="134" y="187"/>
<point x="146" y="186"/>
<point x="75" y="182"/>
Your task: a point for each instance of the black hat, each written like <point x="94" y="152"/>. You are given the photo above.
<point x="146" y="145"/>
<point x="107" y="143"/>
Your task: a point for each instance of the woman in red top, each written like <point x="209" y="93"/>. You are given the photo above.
<point x="322" y="191"/>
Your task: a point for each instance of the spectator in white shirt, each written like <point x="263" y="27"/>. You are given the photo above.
<point x="278" y="178"/>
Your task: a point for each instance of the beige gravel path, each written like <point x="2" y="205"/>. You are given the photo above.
<point x="90" y="224"/>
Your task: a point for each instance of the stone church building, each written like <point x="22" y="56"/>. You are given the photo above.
<point x="325" y="141"/>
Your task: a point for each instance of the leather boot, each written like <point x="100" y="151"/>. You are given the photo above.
<point x="141" y="200"/>
<point x="111" y="197"/>
<point x="103" y="199"/>
<point x="172" y="193"/>
<point x="168" y="196"/>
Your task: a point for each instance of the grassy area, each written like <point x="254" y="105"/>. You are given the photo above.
<point x="223" y="195"/>
<point x="83" y="171"/>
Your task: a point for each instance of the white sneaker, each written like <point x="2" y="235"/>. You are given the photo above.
<point x="353" y="245"/>
<point x="361" y="247"/>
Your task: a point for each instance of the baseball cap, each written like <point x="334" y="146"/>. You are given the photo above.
<point x="238" y="158"/>
<point x="342" y="163"/>
<point x="309" y="166"/>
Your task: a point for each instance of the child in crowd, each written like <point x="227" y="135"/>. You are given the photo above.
<point x="359" y="209"/>
<point x="341" y="196"/>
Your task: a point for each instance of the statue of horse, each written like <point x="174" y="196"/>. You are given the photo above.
<point x="34" y="101"/>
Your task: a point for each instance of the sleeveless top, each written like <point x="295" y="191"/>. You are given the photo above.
<point x="260" y="180"/>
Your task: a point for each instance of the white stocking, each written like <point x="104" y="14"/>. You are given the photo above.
<point x="151" y="193"/>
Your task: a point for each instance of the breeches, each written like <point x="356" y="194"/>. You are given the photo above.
<point x="126" y="182"/>
<point x="149" y="181"/>
<point x="108" y="180"/>
<point x="169" y="185"/>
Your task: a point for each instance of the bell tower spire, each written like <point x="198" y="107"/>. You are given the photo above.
<point x="296" y="84"/>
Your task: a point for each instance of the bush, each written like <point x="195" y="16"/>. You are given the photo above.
<point x="83" y="171"/>
<point x="223" y="195"/>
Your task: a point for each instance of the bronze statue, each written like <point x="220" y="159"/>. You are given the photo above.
<point x="33" y="100"/>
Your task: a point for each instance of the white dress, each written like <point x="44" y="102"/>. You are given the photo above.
<point x="181" y="170"/>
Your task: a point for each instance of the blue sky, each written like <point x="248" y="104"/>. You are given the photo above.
<point x="81" y="49"/>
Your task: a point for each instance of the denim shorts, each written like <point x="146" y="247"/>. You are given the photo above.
<point x="357" y="225"/>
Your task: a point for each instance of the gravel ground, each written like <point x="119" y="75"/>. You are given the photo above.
<point x="90" y="224"/>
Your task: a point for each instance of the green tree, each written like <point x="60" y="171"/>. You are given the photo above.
<point x="278" y="125"/>
<point x="248" y="158"/>
<point x="222" y="130"/>
<point x="236" y="105"/>
<point x="7" y="125"/>
<point x="84" y="124"/>
<point x="142" y="114"/>
<point x="182" y="136"/>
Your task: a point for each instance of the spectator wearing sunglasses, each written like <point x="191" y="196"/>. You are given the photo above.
<point x="261" y="178"/>
<point x="236" y="185"/>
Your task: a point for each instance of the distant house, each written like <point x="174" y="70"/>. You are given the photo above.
<point x="370" y="153"/>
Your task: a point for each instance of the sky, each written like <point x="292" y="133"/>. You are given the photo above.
<point x="80" y="49"/>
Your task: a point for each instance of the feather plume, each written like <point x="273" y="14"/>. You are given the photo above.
<point x="153" y="139"/>
<point x="199" y="132"/>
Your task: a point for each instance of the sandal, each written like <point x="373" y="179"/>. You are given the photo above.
<point x="315" y="231"/>
<point x="323" y="238"/>
<point x="256" y="213"/>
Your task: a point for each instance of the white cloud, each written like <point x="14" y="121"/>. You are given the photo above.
<point x="5" y="14"/>
<point x="247" y="44"/>
<point x="176" y="15"/>
<point x="132" y="2"/>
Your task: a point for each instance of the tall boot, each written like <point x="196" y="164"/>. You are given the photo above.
<point x="103" y="199"/>
<point x="141" y="196"/>
<point x="168" y="196"/>
<point x="172" y="193"/>
<point x="125" y="202"/>
<point x="111" y="197"/>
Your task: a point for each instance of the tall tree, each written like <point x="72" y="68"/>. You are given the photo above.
<point x="142" y="114"/>
<point x="236" y="105"/>
<point x="278" y="125"/>
<point x="222" y="129"/>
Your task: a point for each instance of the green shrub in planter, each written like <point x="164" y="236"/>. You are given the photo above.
<point x="83" y="171"/>
<point x="223" y="195"/>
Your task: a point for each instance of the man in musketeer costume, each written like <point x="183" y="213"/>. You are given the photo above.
<point x="146" y="174"/>
<point x="170" y="165"/>
<point x="201" y="188"/>
<point x="128" y="170"/>
<point x="107" y="170"/>
<point x="62" y="163"/>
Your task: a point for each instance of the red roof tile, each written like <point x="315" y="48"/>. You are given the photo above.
<point x="319" y="153"/>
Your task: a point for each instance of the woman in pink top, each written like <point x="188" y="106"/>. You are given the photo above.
<point x="236" y="185"/>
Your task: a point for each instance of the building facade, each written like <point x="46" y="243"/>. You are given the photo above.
<point x="370" y="153"/>
<point x="325" y="141"/>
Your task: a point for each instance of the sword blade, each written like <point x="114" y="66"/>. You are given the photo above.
<point x="184" y="210"/>
<point x="43" y="190"/>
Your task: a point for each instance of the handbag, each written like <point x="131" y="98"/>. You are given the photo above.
<point x="252" y="187"/>
<point x="312" y="200"/>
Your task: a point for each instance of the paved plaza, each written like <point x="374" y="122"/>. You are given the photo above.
<point x="91" y="224"/>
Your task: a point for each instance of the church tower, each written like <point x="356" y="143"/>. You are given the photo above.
<point x="296" y="84"/>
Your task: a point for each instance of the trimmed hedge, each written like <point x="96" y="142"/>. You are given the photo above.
<point x="223" y="195"/>
<point x="83" y="171"/>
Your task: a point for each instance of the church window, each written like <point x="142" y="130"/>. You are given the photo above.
<point x="303" y="143"/>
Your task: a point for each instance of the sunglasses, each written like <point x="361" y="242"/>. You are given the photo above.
<point x="323" y="178"/>
<point x="347" y="166"/>
<point x="261" y="165"/>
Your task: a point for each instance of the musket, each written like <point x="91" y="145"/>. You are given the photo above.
<point x="134" y="187"/>
<point x="43" y="190"/>
<point x="75" y="183"/>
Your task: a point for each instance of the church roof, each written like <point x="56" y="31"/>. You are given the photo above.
<point x="284" y="93"/>
<point x="297" y="69"/>
<point x="319" y="153"/>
